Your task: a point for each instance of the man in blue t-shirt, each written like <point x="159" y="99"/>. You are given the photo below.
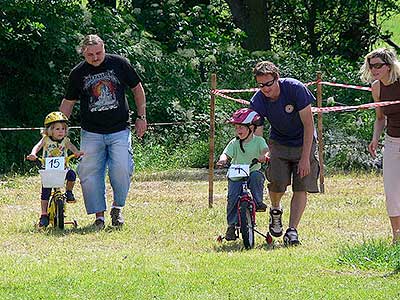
<point x="286" y="104"/>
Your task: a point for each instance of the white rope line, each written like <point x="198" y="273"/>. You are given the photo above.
<point x="78" y="127"/>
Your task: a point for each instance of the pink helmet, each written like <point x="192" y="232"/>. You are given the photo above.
<point x="245" y="116"/>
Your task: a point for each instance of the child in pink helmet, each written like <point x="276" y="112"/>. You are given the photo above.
<point x="242" y="150"/>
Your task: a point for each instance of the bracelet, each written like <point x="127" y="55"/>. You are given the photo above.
<point x="142" y="117"/>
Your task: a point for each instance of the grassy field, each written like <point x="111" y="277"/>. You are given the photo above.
<point x="168" y="248"/>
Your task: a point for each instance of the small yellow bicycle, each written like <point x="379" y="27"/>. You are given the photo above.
<point x="53" y="176"/>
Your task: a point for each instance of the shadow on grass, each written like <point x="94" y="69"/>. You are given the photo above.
<point x="391" y="274"/>
<point x="180" y="175"/>
<point x="88" y="229"/>
<point x="237" y="246"/>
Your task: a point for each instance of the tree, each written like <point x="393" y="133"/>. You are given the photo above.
<point x="252" y="17"/>
<point x="109" y="3"/>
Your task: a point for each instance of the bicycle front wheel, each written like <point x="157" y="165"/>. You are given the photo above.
<point x="246" y="225"/>
<point x="60" y="213"/>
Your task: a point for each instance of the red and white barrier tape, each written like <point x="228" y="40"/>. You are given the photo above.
<point x="227" y="91"/>
<point x="322" y="109"/>
<point x="353" y="107"/>
<point x="349" y="86"/>
<point x="310" y="83"/>
<point x="218" y="93"/>
<point x="238" y="91"/>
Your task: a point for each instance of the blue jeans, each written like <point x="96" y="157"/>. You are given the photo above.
<point x="255" y="184"/>
<point x="102" y="151"/>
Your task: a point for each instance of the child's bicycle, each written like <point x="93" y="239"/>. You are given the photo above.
<point x="53" y="176"/>
<point x="246" y="208"/>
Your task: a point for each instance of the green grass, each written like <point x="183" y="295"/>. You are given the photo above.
<point x="168" y="248"/>
<point x="374" y="254"/>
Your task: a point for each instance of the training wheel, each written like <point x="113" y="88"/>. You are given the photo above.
<point x="269" y="239"/>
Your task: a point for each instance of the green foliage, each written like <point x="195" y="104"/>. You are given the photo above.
<point x="336" y="28"/>
<point x="37" y="41"/>
<point x="346" y="152"/>
<point x="175" y="47"/>
<point x="374" y="254"/>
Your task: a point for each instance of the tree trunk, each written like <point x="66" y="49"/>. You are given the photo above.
<point x="190" y="3"/>
<point x="353" y="41"/>
<point x="311" y="21"/>
<point x="109" y="3"/>
<point x="252" y="17"/>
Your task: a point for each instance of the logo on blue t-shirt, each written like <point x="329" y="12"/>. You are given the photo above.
<point x="289" y="108"/>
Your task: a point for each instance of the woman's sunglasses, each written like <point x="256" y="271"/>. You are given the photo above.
<point x="377" y="65"/>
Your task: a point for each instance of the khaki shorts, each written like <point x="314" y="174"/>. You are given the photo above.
<point x="391" y="171"/>
<point x="282" y="169"/>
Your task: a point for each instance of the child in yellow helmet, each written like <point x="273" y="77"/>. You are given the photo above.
<point x="55" y="143"/>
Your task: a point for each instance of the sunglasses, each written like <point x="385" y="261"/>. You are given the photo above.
<point x="377" y="65"/>
<point x="268" y="83"/>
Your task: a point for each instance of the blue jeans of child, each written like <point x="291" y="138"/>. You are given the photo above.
<point x="111" y="151"/>
<point x="256" y="185"/>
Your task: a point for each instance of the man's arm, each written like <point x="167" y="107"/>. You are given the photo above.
<point x="308" y="124"/>
<point x="66" y="106"/>
<point x="140" y="101"/>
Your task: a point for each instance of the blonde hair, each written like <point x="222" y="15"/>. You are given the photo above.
<point x="89" y="40"/>
<point x="388" y="56"/>
<point x="48" y="131"/>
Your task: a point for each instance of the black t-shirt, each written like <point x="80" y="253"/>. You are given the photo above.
<point x="101" y="92"/>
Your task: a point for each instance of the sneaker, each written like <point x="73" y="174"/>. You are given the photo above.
<point x="70" y="197"/>
<point x="116" y="217"/>
<point x="261" y="207"/>
<point x="291" y="237"/>
<point x="230" y="234"/>
<point x="44" y="221"/>
<point x="275" y="222"/>
<point x="99" y="224"/>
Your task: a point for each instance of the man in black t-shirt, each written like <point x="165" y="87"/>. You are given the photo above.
<point x="99" y="84"/>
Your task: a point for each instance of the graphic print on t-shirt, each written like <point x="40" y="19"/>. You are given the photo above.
<point x="54" y="148"/>
<point x="102" y="89"/>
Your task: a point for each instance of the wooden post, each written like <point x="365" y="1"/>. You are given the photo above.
<point x="212" y="137"/>
<point x="320" y="136"/>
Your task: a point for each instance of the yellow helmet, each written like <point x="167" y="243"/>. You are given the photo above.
<point x="55" y="116"/>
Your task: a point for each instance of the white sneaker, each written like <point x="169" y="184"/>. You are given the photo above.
<point x="275" y="222"/>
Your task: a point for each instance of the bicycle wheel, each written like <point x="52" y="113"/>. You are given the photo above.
<point x="60" y="212"/>
<point x="246" y="225"/>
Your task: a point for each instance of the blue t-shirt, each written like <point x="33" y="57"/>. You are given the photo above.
<point x="283" y="113"/>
